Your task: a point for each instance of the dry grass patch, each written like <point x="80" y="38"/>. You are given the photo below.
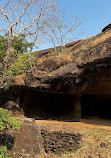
<point x="19" y="79"/>
<point x="96" y="143"/>
<point x="53" y="62"/>
<point x="96" y="139"/>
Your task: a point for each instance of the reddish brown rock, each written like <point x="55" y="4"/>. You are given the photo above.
<point x="70" y="44"/>
<point x="28" y="142"/>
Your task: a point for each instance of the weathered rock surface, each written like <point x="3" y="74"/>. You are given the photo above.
<point x="90" y="62"/>
<point x="56" y="92"/>
<point x="85" y="70"/>
<point x="59" y="142"/>
<point x="106" y="27"/>
<point x="28" y="142"/>
<point x="70" y="44"/>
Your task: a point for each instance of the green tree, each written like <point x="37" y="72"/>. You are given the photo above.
<point x="22" y="16"/>
<point x="3" y="47"/>
<point x="19" y="46"/>
<point x="20" y="51"/>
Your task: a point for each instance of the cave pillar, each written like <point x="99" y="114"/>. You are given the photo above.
<point x="76" y="110"/>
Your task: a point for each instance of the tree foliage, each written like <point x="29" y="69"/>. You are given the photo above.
<point x="18" y="57"/>
<point x="3" y="47"/>
<point x="20" y="64"/>
<point x="19" y="46"/>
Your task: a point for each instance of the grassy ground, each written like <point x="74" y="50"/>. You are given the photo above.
<point x="96" y="137"/>
<point x="96" y="143"/>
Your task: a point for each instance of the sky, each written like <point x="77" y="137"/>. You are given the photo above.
<point x="94" y="14"/>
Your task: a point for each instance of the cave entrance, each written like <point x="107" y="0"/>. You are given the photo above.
<point x="44" y="105"/>
<point x="96" y="105"/>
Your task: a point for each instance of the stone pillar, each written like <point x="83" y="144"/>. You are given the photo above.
<point x="17" y="100"/>
<point x="76" y="110"/>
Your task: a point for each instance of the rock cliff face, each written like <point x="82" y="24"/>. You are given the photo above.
<point x="90" y="62"/>
<point x="86" y="74"/>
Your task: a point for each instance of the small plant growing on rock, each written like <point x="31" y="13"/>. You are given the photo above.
<point x="6" y="122"/>
<point x="3" y="152"/>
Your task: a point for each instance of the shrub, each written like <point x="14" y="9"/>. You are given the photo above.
<point x="3" y="152"/>
<point x="6" y="122"/>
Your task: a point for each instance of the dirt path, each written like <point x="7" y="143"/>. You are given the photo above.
<point x="90" y="123"/>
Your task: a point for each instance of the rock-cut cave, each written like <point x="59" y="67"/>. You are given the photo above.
<point x="96" y="101"/>
<point x="96" y="105"/>
<point x="46" y="105"/>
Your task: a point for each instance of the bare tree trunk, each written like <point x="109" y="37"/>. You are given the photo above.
<point x="61" y="45"/>
<point x="5" y="62"/>
<point x="55" y="48"/>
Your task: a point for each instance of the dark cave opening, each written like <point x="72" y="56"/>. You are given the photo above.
<point x="44" y="105"/>
<point x="96" y="105"/>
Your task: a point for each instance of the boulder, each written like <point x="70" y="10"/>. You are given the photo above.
<point x="28" y="142"/>
<point x="70" y="44"/>
<point x="106" y="27"/>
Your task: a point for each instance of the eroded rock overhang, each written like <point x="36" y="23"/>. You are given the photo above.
<point x="87" y="76"/>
